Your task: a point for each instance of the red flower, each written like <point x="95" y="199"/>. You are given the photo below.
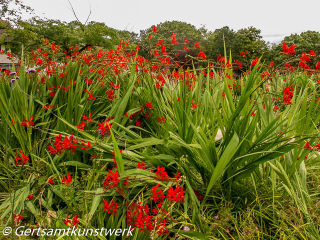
<point x="317" y="146"/>
<point x="150" y="106"/>
<point x="176" y="195"/>
<point x="202" y="55"/>
<point x="308" y="146"/>
<point x="254" y="62"/>
<point x="75" y="220"/>
<point x="177" y="177"/>
<point x="51" y="94"/>
<point x="86" y="146"/>
<point x="81" y="126"/>
<point x="137" y="216"/>
<point x="112" y="179"/>
<point x="126" y="182"/>
<point x="159" y="43"/>
<point x="16" y="218"/>
<point x="164" y="50"/>
<point x="193" y="106"/>
<point x="27" y="123"/>
<point x="67" y="220"/>
<point x="286" y="50"/>
<point x="174" y="40"/>
<point x="51" y="181"/>
<point x="243" y="54"/>
<point x="253" y="114"/>
<point x="138" y="123"/>
<point x="196" y="45"/>
<point x="162" y="175"/>
<point x="161" y="120"/>
<point x="30" y="197"/>
<point x="104" y="128"/>
<point x="112" y="208"/>
<point x="141" y="166"/>
<point x="68" y="144"/>
<point x="22" y="161"/>
<point x="223" y="94"/>
<point x="154" y="29"/>
<point x="91" y="96"/>
<point x="66" y="181"/>
<point x="287" y="95"/>
<point x="89" y="81"/>
<point x="111" y="95"/>
<point x="157" y="194"/>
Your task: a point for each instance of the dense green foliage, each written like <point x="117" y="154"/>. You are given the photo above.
<point x="257" y="179"/>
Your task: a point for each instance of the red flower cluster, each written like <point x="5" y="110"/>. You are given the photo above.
<point x="162" y="175"/>
<point x="202" y="55"/>
<point x="104" y="128"/>
<point x="86" y="146"/>
<point x="157" y="196"/>
<point x="85" y="121"/>
<point x="75" y="220"/>
<point x="287" y="95"/>
<point x="140" y="217"/>
<point x="111" y="207"/>
<point x="176" y="195"/>
<point x="288" y="50"/>
<point x="47" y="107"/>
<point x="150" y="106"/>
<point x="254" y="62"/>
<point x="131" y="115"/>
<point x="112" y="180"/>
<point x="23" y="160"/>
<point x="161" y="120"/>
<point x="244" y="54"/>
<point x="307" y="146"/>
<point x="28" y="123"/>
<point x="65" y="180"/>
<point x="16" y="218"/>
<point x="51" y="181"/>
<point x="174" y="40"/>
<point x="141" y="166"/>
<point x="60" y="146"/>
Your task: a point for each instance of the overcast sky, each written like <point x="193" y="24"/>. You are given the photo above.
<point x="275" y="18"/>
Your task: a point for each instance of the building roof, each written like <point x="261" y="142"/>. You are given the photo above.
<point x="5" y="60"/>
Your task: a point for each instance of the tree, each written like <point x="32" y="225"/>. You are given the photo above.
<point x="250" y="39"/>
<point x="304" y="42"/>
<point x="164" y="31"/>
<point x="178" y="37"/>
<point x="12" y="13"/>
<point x="31" y="34"/>
<point x="214" y="45"/>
